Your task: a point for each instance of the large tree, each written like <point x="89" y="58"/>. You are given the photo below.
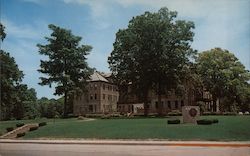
<point x="11" y="78"/>
<point x="152" y="52"/>
<point x="16" y="99"/>
<point x="223" y="75"/>
<point x="2" y="32"/>
<point x="66" y="65"/>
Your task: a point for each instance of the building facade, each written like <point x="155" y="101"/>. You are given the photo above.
<point x="129" y="102"/>
<point x="101" y="97"/>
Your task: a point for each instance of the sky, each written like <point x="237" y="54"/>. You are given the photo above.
<point x="218" y="23"/>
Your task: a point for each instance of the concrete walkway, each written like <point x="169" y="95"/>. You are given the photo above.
<point x="12" y="134"/>
<point x="133" y="142"/>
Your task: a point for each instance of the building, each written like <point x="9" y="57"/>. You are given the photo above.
<point x="101" y="97"/>
<point x="129" y="102"/>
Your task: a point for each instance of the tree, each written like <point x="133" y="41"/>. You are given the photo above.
<point x="11" y="78"/>
<point x="151" y="53"/>
<point x="2" y="33"/>
<point x="223" y="75"/>
<point x="50" y="108"/>
<point x="30" y="104"/>
<point x="66" y="65"/>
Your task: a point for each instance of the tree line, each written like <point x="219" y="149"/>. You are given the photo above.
<point x="153" y="53"/>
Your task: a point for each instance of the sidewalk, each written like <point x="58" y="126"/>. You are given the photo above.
<point x="133" y="142"/>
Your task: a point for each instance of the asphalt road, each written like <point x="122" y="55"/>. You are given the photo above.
<point x="28" y="149"/>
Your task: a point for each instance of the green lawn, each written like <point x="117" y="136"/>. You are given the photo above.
<point x="228" y="128"/>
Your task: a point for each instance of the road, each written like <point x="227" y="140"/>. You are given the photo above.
<point x="33" y="149"/>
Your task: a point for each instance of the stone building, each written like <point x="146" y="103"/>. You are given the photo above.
<point x="101" y="97"/>
<point x="129" y="102"/>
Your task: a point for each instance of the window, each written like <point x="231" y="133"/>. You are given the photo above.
<point x="91" y="108"/>
<point x="103" y="86"/>
<point x="110" y="97"/>
<point x="176" y="104"/>
<point x="182" y="103"/>
<point x="91" y="97"/>
<point x="103" y="96"/>
<point x="114" y="98"/>
<point x="156" y="104"/>
<point x="95" y="86"/>
<point x="169" y="104"/>
<point x="95" y="96"/>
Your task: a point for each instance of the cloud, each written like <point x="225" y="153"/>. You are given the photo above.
<point x="24" y="31"/>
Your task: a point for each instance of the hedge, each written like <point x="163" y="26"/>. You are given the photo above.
<point x="20" y="135"/>
<point x="204" y="122"/>
<point x="42" y="124"/>
<point x="19" y="124"/>
<point x="33" y="128"/>
<point x="9" y="129"/>
<point x="215" y="120"/>
<point x="174" y="121"/>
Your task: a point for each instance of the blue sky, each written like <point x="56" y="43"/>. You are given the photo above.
<point x="219" y="23"/>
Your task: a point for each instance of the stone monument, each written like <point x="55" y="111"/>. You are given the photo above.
<point x="190" y="114"/>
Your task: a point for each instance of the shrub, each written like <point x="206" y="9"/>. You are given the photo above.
<point x="206" y="113"/>
<point x="229" y="113"/>
<point x="9" y="129"/>
<point x="20" y="135"/>
<point x="175" y="113"/>
<point x="42" y="124"/>
<point x="19" y="124"/>
<point x="33" y="128"/>
<point x="211" y="113"/>
<point x="174" y="121"/>
<point x="215" y="120"/>
<point x="105" y="117"/>
<point x="71" y="115"/>
<point x="94" y="115"/>
<point x="204" y="122"/>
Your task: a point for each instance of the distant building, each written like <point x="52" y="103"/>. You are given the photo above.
<point x="129" y="102"/>
<point x="101" y="97"/>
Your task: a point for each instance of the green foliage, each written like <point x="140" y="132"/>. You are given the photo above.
<point x="17" y="101"/>
<point x="50" y="108"/>
<point x="42" y="124"/>
<point x="33" y="128"/>
<point x="223" y="75"/>
<point x="11" y="88"/>
<point x="66" y="65"/>
<point x="151" y="52"/>
<point x="174" y="121"/>
<point x="204" y="122"/>
<point x="20" y="135"/>
<point x="20" y="124"/>
<point x="2" y="33"/>
<point x="8" y="129"/>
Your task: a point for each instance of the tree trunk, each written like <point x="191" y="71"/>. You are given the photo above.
<point x="65" y="104"/>
<point x="145" y="103"/>
<point x="159" y="100"/>
<point x="214" y="105"/>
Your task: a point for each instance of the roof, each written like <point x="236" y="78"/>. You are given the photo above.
<point x="106" y="75"/>
<point x="97" y="77"/>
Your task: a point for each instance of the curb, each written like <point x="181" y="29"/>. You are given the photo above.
<point x="122" y="142"/>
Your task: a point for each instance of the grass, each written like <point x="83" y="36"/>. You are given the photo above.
<point x="229" y="128"/>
